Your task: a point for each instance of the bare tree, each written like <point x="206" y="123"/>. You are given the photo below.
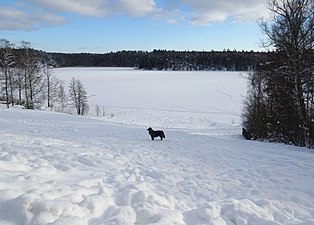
<point x="78" y="96"/>
<point x="97" y="109"/>
<point x="7" y="61"/>
<point x="52" y="85"/>
<point x="32" y="79"/>
<point x="19" y="82"/>
<point x="62" y="96"/>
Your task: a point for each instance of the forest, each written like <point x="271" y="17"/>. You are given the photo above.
<point x="161" y="60"/>
<point x="27" y="80"/>
<point x="280" y="101"/>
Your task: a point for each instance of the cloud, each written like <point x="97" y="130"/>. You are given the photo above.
<point x="32" y="14"/>
<point x="99" y="8"/>
<point x="13" y="18"/>
<point x="137" y="8"/>
<point x="205" y="12"/>
<point x="195" y="12"/>
<point x="83" y="7"/>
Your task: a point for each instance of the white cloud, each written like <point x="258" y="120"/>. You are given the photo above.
<point x="99" y="8"/>
<point x="209" y="11"/>
<point x="33" y="14"/>
<point x="83" y="7"/>
<point x="137" y="8"/>
<point x="16" y="19"/>
<point x="207" y="18"/>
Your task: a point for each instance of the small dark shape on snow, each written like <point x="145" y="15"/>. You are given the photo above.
<point x="246" y="134"/>
<point x="157" y="133"/>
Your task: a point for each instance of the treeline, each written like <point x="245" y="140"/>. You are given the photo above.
<point x="26" y="79"/>
<point x="163" y="60"/>
<point x="280" y="101"/>
<point x="195" y="60"/>
<point x="226" y="60"/>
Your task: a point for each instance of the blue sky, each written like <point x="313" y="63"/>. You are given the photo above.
<point x="111" y="25"/>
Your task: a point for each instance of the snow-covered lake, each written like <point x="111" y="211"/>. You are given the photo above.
<point x="60" y="169"/>
<point x="167" y="99"/>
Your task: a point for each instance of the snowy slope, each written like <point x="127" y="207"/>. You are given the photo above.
<point x="63" y="169"/>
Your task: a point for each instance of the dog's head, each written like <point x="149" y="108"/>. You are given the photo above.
<point x="149" y="129"/>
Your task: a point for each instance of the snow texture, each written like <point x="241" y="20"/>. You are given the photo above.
<point x="60" y="169"/>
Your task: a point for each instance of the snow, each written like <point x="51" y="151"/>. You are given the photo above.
<point x="171" y="99"/>
<point x="66" y="169"/>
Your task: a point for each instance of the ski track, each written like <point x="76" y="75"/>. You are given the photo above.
<point x="62" y="169"/>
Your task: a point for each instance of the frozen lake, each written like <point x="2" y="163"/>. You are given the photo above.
<point x="170" y="99"/>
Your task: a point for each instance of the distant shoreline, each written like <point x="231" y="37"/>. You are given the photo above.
<point x="160" y="60"/>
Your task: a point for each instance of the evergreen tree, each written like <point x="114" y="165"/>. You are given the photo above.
<point x="285" y="80"/>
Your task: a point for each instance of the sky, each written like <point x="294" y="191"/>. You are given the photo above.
<point x="100" y="26"/>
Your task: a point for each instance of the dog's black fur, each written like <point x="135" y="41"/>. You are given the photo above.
<point x="156" y="133"/>
<point x="246" y="134"/>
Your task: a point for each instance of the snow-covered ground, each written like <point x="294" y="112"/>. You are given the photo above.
<point x="169" y="99"/>
<point x="65" y="169"/>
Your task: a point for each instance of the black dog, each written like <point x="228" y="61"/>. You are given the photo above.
<point x="157" y="133"/>
<point x="246" y="134"/>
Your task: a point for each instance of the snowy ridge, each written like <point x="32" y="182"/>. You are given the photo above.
<point x="62" y="169"/>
